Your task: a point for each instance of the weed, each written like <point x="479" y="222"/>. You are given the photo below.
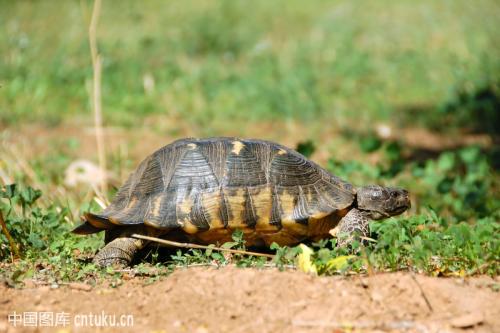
<point x="48" y="249"/>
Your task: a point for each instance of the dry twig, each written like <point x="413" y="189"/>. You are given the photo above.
<point x="422" y="293"/>
<point x="197" y="246"/>
<point x="96" y="97"/>
<point x="13" y="246"/>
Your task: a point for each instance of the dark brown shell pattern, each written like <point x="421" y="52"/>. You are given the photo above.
<point x="199" y="185"/>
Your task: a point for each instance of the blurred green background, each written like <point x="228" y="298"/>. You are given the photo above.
<point x="383" y="84"/>
<point x="213" y="64"/>
<point x="390" y="92"/>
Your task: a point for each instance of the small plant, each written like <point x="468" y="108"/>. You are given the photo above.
<point x="455" y="235"/>
<point x="217" y="257"/>
<point x="459" y="184"/>
<point x="423" y="243"/>
<point x="46" y="247"/>
<point x="431" y="244"/>
<point x="285" y="256"/>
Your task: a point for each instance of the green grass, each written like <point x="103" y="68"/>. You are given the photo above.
<point x="215" y="61"/>
<point x="453" y="231"/>
<point x="217" y="67"/>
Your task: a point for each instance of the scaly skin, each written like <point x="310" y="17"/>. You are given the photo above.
<point x="352" y="225"/>
<point x="120" y="251"/>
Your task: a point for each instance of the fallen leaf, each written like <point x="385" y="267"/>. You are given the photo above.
<point x="338" y="263"/>
<point x="304" y="260"/>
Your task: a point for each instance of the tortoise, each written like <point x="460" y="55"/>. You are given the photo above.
<point x="202" y="190"/>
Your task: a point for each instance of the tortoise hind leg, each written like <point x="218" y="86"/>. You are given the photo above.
<point x="350" y="227"/>
<point x="120" y="251"/>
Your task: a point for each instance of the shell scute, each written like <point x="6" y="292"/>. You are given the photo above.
<point x="227" y="183"/>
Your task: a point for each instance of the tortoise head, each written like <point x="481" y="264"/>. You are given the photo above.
<point x="379" y="202"/>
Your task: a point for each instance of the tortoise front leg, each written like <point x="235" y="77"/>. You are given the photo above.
<point x="119" y="251"/>
<point x="350" y="227"/>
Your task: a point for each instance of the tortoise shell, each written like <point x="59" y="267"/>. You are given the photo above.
<point x="207" y="188"/>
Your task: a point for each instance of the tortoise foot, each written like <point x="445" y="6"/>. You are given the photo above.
<point x="119" y="252"/>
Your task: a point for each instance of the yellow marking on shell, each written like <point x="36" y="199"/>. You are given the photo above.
<point x="286" y="201"/>
<point x="185" y="206"/>
<point x="287" y="221"/>
<point x="114" y="221"/>
<point x="188" y="226"/>
<point x="237" y="147"/>
<point x="211" y="203"/>
<point x="191" y="146"/>
<point x="319" y="215"/>
<point x="156" y="206"/>
<point x="154" y="225"/>
<point x="262" y="202"/>
<point x="153" y="216"/>
<point x="132" y="202"/>
<point x="281" y="152"/>
<point x="183" y="212"/>
<point x="236" y="205"/>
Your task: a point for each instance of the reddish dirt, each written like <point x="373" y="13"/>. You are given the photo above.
<point x="252" y="300"/>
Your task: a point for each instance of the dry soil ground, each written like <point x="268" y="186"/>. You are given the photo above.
<point x="266" y="300"/>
